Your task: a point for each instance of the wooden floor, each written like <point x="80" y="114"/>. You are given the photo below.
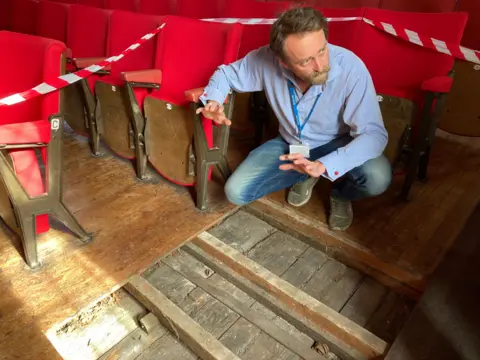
<point x="133" y="223"/>
<point x="398" y="242"/>
<point x="108" y="330"/>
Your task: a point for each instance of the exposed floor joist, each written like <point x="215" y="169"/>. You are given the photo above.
<point x="352" y="340"/>
<point x="172" y="317"/>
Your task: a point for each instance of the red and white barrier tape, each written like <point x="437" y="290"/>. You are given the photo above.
<point x="405" y="34"/>
<point x="68" y="79"/>
<point x="413" y="37"/>
<point x="261" y="21"/>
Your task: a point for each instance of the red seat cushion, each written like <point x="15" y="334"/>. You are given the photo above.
<point x="24" y="16"/>
<point x="200" y="9"/>
<point x="401" y="70"/>
<point x="52" y="20"/>
<point x="427" y="6"/>
<point x="155" y="7"/>
<point x="471" y="38"/>
<point x="121" y="36"/>
<point x="343" y="33"/>
<point x="345" y="4"/>
<point x="178" y="54"/>
<point x="128" y="5"/>
<point x="19" y="73"/>
<point x="93" y="3"/>
<point x="87" y="31"/>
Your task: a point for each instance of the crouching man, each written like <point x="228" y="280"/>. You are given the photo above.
<point x="330" y="123"/>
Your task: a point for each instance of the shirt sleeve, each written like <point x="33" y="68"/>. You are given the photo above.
<point x="362" y="113"/>
<point x="243" y="75"/>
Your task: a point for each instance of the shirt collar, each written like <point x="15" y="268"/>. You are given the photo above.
<point x="335" y="71"/>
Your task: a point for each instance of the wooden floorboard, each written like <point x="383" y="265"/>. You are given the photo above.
<point x="399" y="243"/>
<point x="133" y="223"/>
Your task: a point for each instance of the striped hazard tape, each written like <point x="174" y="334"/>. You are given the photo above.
<point x="413" y="37"/>
<point x="68" y="79"/>
<point x="261" y="21"/>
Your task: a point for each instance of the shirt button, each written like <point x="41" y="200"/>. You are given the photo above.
<point x="336" y="172"/>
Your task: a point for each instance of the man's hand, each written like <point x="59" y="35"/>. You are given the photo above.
<point x="214" y="111"/>
<point x="300" y="164"/>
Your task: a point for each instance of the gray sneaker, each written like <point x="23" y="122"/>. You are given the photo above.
<point x="301" y="192"/>
<point x="341" y="214"/>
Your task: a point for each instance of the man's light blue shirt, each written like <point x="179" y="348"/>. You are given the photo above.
<point x="348" y="104"/>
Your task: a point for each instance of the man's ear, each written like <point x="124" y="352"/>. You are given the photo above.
<point x="283" y="63"/>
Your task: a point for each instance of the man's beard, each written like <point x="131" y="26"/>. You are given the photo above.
<point x="318" y="77"/>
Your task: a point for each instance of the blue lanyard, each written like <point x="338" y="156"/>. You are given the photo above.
<point x="293" y="99"/>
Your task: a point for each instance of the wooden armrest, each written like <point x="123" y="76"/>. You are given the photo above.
<point x="194" y="95"/>
<point x="25" y="132"/>
<point x="151" y="76"/>
<point x="438" y="84"/>
<point x="82" y="63"/>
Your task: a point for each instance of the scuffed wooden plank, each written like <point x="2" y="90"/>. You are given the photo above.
<point x="339" y="327"/>
<point x="266" y="303"/>
<point x="297" y="345"/>
<point x="242" y="231"/>
<point x="172" y="317"/>
<point x="134" y="344"/>
<point x="277" y="252"/>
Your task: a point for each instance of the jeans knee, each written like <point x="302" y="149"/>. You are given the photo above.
<point x="379" y="176"/>
<point x="234" y="193"/>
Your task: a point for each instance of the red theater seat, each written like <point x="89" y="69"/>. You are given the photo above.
<point x="128" y="5"/>
<point x="52" y="20"/>
<point x="343" y="4"/>
<point x="95" y="3"/>
<point x="172" y="125"/>
<point x="28" y="123"/>
<point x="86" y="38"/>
<point x="200" y="9"/>
<point x="24" y="16"/>
<point x="155" y="7"/>
<point x="109" y="89"/>
<point x="427" y="6"/>
<point x="6" y="14"/>
<point x="340" y="32"/>
<point x="471" y="37"/>
<point x="405" y="70"/>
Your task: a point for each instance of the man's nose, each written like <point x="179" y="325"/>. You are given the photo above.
<point x="317" y="64"/>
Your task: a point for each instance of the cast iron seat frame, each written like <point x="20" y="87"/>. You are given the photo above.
<point x="202" y="157"/>
<point x="89" y="101"/>
<point x="26" y="207"/>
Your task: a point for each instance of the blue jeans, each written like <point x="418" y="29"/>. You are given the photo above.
<point x="259" y="174"/>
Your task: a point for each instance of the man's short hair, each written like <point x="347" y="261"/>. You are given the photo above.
<point x="299" y="20"/>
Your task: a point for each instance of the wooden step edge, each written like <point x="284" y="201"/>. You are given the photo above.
<point x="341" y="330"/>
<point x="299" y="347"/>
<point x="200" y="341"/>
<point x="339" y="245"/>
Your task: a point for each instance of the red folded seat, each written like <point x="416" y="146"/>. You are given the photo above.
<point x="115" y="111"/>
<point x="405" y="70"/>
<point x="87" y="40"/>
<point x="52" y="20"/>
<point x="426" y="6"/>
<point x="24" y="16"/>
<point x="155" y="7"/>
<point x="27" y="123"/>
<point x="171" y="124"/>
